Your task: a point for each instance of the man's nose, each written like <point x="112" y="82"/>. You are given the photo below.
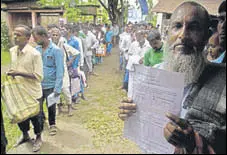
<point x="183" y="32"/>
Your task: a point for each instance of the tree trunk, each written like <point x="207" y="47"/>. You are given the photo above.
<point x="116" y="15"/>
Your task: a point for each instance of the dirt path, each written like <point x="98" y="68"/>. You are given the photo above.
<point x="95" y="127"/>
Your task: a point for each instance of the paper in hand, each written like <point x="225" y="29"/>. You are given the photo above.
<point x="51" y="99"/>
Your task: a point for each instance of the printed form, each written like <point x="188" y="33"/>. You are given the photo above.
<point x="155" y="92"/>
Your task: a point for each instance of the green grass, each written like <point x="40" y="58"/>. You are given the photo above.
<point x="5" y="57"/>
<point x="11" y="130"/>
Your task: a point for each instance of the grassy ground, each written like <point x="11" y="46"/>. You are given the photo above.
<point x="12" y="129"/>
<point x="95" y="126"/>
<point x="5" y="57"/>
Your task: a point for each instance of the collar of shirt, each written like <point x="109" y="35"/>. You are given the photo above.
<point x="146" y="44"/>
<point x="161" y="49"/>
<point x="219" y="59"/>
<point x="24" y="50"/>
<point x="50" y="46"/>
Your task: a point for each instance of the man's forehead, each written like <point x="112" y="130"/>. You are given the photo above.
<point x="189" y="13"/>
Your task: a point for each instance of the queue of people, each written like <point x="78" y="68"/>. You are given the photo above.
<point x="54" y="60"/>
<point x="61" y="58"/>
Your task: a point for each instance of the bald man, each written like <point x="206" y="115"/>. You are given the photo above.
<point x="203" y="128"/>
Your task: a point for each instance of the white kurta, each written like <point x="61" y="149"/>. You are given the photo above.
<point x="136" y="53"/>
<point x="71" y="52"/>
<point x="125" y="44"/>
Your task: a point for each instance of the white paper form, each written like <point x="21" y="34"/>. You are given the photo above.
<point x="155" y="92"/>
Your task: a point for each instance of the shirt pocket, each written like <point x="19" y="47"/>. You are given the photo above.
<point x="50" y="61"/>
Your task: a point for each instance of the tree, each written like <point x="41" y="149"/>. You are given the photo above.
<point x="115" y="10"/>
<point x="151" y="18"/>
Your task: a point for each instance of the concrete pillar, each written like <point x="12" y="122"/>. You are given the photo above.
<point x="11" y="27"/>
<point x="34" y="19"/>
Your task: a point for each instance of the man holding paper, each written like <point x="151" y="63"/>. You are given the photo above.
<point x="203" y="105"/>
<point x="53" y="68"/>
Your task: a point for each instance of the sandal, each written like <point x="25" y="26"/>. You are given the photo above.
<point x="37" y="146"/>
<point x="53" y="130"/>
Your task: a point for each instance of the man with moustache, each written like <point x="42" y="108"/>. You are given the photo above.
<point x="203" y="106"/>
<point x="26" y="67"/>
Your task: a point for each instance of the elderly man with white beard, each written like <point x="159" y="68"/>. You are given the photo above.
<point x="203" y="128"/>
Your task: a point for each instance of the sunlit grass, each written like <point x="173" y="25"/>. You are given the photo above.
<point x="5" y="57"/>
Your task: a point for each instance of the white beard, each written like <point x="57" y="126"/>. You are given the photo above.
<point x="192" y="65"/>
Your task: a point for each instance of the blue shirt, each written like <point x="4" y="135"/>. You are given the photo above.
<point x="74" y="43"/>
<point x="53" y="67"/>
<point x="219" y="59"/>
<point x="76" y="62"/>
<point x="109" y="36"/>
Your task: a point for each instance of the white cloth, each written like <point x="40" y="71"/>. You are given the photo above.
<point x="89" y="63"/>
<point x="71" y="52"/>
<point x="104" y="29"/>
<point x="115" y="30"/>
<point x="82" y="74"/>
<point x="91" y="42"/>
<point x="67" y="95"/>
<point x="121" y="37"/>
<point x="133" y="60"/>
<point x="75" y="86"/>
<point x="81" y="51"/>
<point x="125" y="44"/>
<point x="136" y="53"/>
<point x="135" y="49"/>
<point x="130" y="89"/>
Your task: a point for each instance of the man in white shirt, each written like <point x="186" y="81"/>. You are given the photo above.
<point x="68" y="51"/>
<point x="91" y="43"/>
<point x="136" y="54"/>
<point x="115" y="33"/>
<point x="124" y="45"/>
<point x="76" y="36"/>
<point x="27" y="68"/>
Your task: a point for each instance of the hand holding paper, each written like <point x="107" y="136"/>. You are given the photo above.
<point x="179" y="133"/>
<point x="127" y="108"/>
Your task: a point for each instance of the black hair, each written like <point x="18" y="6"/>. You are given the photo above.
<point x="27" y="29"/>
<point x="50" y="26"/>
<point x="40" y="30"/>
<point x="154" y="35"/>
<point x="222" y="7"/>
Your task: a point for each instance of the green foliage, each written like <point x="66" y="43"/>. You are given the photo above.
<point x="5" y="57"/>
<point x="71" y="13"/>
<point x="151" y="18"/>
<point x="4" y="36"/>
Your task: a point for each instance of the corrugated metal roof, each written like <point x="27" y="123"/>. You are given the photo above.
<point x="168" y="6"/>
